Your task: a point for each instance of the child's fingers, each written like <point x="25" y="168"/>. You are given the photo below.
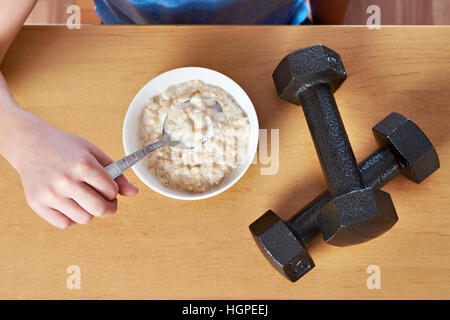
<point x="72" y="210"/>
<point x="91" y="201"/>
<point x="126" y="188"/>
<point x="99" y="179"/>
<point x="54" y="217"/>
<point x="101" y="157"/>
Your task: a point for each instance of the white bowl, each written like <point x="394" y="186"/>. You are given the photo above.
<point x="159" y="85"/>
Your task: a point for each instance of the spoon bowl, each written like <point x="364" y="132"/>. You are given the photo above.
<point x="116" y="168"/>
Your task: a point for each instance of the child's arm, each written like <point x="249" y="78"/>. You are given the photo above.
<point x="13" y="14"/>
<point x="329" y="11"/>
<point x="62" y="174"/>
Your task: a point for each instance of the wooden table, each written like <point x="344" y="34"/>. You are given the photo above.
<point x="83" y="81"/>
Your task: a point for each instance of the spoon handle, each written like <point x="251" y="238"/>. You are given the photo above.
<point x="115" y="169"/>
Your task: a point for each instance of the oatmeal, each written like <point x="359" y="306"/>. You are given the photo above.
<point x="217" y="141"/>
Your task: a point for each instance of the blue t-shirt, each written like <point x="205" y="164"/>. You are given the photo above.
<point x="202" y="11"/>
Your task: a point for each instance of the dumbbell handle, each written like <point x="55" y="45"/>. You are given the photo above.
<point x="330" y="139"/>
<point x="376" y="171"/>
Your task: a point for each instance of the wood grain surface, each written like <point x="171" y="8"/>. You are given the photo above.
<point x="83" y="80"/>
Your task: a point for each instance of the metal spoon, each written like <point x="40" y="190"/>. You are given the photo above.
<point x="115" y="169"/>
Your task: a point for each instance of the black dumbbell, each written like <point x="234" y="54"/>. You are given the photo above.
<point x="404" y="149"/>
<point x="309" y="77"/>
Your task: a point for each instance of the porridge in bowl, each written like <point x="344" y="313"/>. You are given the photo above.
<point x="213" y="143"/>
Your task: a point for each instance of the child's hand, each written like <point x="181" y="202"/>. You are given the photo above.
<point x="63" y="176"/>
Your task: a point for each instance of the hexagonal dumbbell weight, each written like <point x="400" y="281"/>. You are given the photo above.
<point x="404" y="149"/>
<point x="309" y="77"/>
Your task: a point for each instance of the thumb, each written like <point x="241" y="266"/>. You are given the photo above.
<point x="126" y="188"/>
